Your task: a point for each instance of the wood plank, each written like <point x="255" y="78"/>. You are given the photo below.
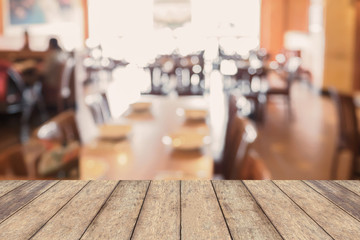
<point x="24" y="223"/>
<point x="339" y="195"/>
<point x="6" y="186"/>
<point x="118" y="216"/>
<point x="244" y="217"/>
<point x="160" y="215"/>
<point x="352" y="185"/>
<point x="22" y="195"/>
<point x="291" y="221"/>
<point x="330" y="217"/>
<point x="76" y="216"/>
<point x="201" y="216"/>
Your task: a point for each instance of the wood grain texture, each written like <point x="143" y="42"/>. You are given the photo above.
<point x="118" y="216"/>
<point x="74" y="218"/>
<point x="7" y="186"/>
<point x="160" y="215"/>
<point x="244" y="217"/>
<point x="22" y="195"/>
<point x="291" y="221"/>
<point x="353" y="186"/>
<point x="339" y="195"/>
<point x="24" y="223"/>
<point x="330" y="217"/>
<point x="201" y="216"/>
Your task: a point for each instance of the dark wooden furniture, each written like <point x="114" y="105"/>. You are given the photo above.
<point x="194" y="65"/>
<point x="348" y="131"/>
<point x="19" y="96"/>
<point x="175" y="65"/>
<point x="252" y="167"/>
<point x="66" y="93"/>
<point x="179" y="210"/>
<point x="99" y="107"/>
<point x="240" y="134"/>
<point x="12" y="161"/>
<point x="288" y="74"/>
<point x="11" y="86"/>
<point x="284" y="91"/>
<point x="61" y="129"/>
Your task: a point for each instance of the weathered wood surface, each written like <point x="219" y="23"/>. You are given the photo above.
<point x="201" y="216"/>
<point x="342" y="197"/>
<point x="290" y="220"/>
<point x="118" y="217"/>
<point x="25" y="223"/>
<point x="7" y="186"/>
<point x="22" y="195"/>
<point x="245" y="218"/>
<point x="179" y="210"/>
<point x="73" y="219"/>
<point x="160" y="215"/>
<point x="321" y="210"/>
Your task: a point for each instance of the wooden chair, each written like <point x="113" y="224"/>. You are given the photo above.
<point x="288" y="76"/>
<point x="156" y="89"/>
<point x="240" y="134"/>
<point x="20" y="96"/>
<point x="69" y="168"/>
<point x="194" y="65"/>
<point x="66" y="95"/>
<point x="10" y="85"/>
<point x="99" y="107"/>
<point x="62" y="129"/>
<point x="12" y="162"/>
<point x="348" y="134"/>
<point x="232" y="111"/>
<point x="252" y="168"/>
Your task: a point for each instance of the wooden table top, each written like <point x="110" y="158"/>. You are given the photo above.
<point x="180" y="209"/>
<point x="144" y="155"/>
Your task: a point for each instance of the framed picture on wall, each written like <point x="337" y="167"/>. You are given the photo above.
<point x="42" y="19"/>
<point x="29" y="12"/>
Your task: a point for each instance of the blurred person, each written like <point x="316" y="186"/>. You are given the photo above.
<point x="51" y="71"/>
<point x="26" y="46"/>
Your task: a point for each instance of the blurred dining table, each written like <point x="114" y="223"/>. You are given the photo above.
<point x="144" y="153"/>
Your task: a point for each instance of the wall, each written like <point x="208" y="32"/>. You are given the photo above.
<point x="340" y="28"/>
<point x="279" y="17"/>
<point x="1" y="18"/>
<point x="71" y="33"/>
<point x="357" y="49"/>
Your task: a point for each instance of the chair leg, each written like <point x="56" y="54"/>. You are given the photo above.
<point x="42" y="108"/>
<point x="25" y="121"/>
<point x="289" y="111"/>
<point x="335" y="163"/>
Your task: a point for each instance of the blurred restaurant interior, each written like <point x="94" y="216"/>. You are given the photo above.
<point x="179" y="89"/>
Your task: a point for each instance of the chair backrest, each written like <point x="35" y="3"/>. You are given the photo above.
<point x="252" y="168"/>
<point x="347" y="128"/>
<point x="347" y="120"/>
<point x="232" y="111"/>
<point x="12" y="161"/>
<point x="240" y="136"/>
<point x="11" y="83"/>
<point x="62" y="128"/>
<point x="99" y="107"/>
<point x="67" y="85"/>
